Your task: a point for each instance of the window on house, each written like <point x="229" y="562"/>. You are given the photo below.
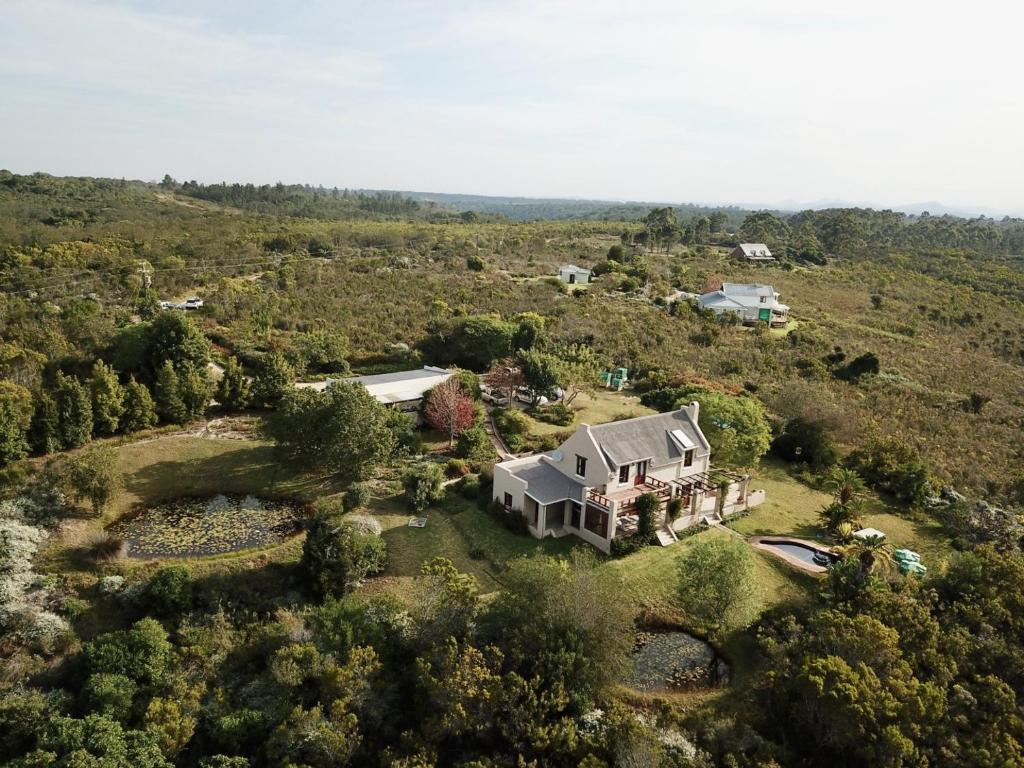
<point x="688" y="458"/>
<point x="624" y="473"/>
<point x="508" y="501"/>
<point x="764" y="299"/>
<point x="581" y="465"/>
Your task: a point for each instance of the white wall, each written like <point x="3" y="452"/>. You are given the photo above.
<point x="581" y="443"/>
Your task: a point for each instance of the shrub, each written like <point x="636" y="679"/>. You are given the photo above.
<point x="456" y="468"/>
<point x="675" y="507"/>
<point x="357" y="496"/>
<point x="423" y="486"/>
<point x="717" y="583"/>
<point x="805" y="441"/>
<point x="469" y="487"/>
<point x="646" y="505"/>
<point x="621" y="547"/>
<point x="110" y="694"/>
<point x="363" y="524"/>
<point x="169" y="591"/>
<point x="330" y="506"/>
<point x="105" y="548"/>
<point x="337" y="558"/>
<point x="474" y="263"/>
<point x="891" y="464"/>
<point x="475" y="444"/>
<point x="513" y="519"/>
<point x="555" y="413"/>
<point x="865" y="365"/>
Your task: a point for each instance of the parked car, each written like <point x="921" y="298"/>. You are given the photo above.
<point x="166" y="305"/>
<point x="493" y="396"/>
<point x="526" y="395"/>
<point x="193" y="303"/>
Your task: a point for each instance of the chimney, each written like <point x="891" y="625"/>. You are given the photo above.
<point x="694" y="411"/>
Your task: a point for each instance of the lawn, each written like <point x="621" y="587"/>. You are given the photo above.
<point x="790" y="507"/>
<point x="598" y="407"/>
<point x="169" y="467"/>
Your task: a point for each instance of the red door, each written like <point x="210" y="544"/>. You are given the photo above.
<point x="641" y="473"/>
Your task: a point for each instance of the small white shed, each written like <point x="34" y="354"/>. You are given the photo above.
<point x="570" y="273"/>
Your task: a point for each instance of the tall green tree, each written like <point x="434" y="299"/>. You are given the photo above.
<point x="173" y="337"/>
<point x="139" y="408"/>
<point x="167" y="393"/>
<point x="44" y="432"/>
<point x="107" y="399"/>
<point x="342" y="430"/>
<point x="15" y="418"/>
<point x="736" y="428"/>
<point x="273" y="380"/>
<point x="74" y="411"/>
<point x="195" y="391"/>
<point x="95" y="474"/>
<point x="717" y="584"/>
<point x="233" y="389"/>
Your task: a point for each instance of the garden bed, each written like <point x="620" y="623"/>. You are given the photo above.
<point x="206" y="526"/>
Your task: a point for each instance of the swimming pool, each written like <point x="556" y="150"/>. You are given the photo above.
<point x="803" y="554"/>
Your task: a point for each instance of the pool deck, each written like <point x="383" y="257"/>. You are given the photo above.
<point x="760" y="542"/>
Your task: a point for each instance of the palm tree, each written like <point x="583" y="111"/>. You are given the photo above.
<point x="835" y="515"/>
<point x="871" y="553"/>
<point x="845" y="485"/>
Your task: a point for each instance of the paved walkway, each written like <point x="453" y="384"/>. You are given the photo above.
<point x="504" y="454"/>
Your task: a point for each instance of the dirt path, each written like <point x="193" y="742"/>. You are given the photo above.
<point x="504" y="454"/>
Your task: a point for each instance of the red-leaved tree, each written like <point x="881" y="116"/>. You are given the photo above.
<point x="449" y="409"/>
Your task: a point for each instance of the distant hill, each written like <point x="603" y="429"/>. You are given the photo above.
<point x="530" y="208"/>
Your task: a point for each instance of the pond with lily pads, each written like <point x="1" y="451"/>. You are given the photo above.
<point x="674" y="661"/>
<point x="201" y="527"/>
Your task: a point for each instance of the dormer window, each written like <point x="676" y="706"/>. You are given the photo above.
<point x="581" y="465"/>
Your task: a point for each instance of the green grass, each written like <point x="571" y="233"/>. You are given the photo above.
<point x="596" y="408"/>
<point x="169" y="467"/>
<point x="791" y="508"/>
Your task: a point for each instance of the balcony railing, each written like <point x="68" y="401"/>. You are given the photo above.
<point x="594" y="497"/>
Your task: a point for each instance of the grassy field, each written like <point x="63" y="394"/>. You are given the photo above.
<point x="790" y="507"/>
<point x="171" y="466"/>
<point x="596" y="408"/>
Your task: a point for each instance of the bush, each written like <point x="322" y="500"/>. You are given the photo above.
<point x="475" y="444"/>
<point x="805" y="441"/>
<point x="621" y="547"/>
<point x="423" y="486"/>
<point x="169" y="591"/>
<point x="675" y="507"/>
<point x="647" y="506"/>
<point x="363" y="524"/>
<point x="514" y="520"/>
<point x="456" y="468"/>
<point x="357" y="496"/>
<point x="893" y="465"/>
<point x="469" y="487"/>
<point x="474" y="263"/>
<point x="336" y="558"/>
<point x="105" y="548"/>
<point x="330" y="506"/>
<point x="558" y="414"/>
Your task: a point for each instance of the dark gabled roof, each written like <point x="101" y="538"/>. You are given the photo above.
<point x="546" y="484"/>
<point x="649" y="437"/>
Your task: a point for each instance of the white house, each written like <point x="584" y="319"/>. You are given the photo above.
<point x="752" y="302"/>
<point x="589" y="486"/>
<point x="757" y="252"/>
<point x="570" y="273"/>
<point x="402" y="389"/>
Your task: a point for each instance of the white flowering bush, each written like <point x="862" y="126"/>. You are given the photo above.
<point x="111" y="585"/>
<point x="363" y="524"/>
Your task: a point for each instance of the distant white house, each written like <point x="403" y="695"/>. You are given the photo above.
<point x="752" y="302"/>
<point x="752" y="252"/>
<point x="570" y="273"/>
<point x="403" y="389"/>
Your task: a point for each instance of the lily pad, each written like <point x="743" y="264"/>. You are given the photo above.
<point x="199" y="527"/>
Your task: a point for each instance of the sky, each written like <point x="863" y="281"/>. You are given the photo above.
<point x="790" y="102"/>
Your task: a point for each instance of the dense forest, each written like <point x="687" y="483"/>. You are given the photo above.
<point x="892" y="398"/>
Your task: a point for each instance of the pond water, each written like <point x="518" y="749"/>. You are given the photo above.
<point x="804" y="553"/>
<point x="672" y="661"/>
<point x="198" y="527"/>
